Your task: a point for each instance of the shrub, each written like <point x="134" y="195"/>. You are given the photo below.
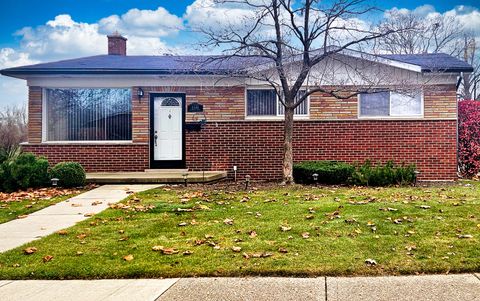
<point x="70" y="174"/>
<point x="469" y="137"/>
<point x="27" y="171"/>
<point x="329" y="172"/>
<point x="383" y="175"/>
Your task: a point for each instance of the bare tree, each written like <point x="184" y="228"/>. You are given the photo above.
<point x="293" y="45"/>
<point x="13" y="130"/>
<point x="471" y="81"/>
<point x="413" y="33"/>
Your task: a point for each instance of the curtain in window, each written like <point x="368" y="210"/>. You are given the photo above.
<point x="261" y="102"/>
<point x="405" y="104"/>
<point x="88" y="114"/>
<point x="302" y="108"/>
<point x="375" y="104"/>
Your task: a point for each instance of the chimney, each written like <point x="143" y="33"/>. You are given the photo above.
<point x="117" y="45"/>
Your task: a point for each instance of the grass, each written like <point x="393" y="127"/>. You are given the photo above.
<point x="339" y="221"/>
<point x="13" y="209"/>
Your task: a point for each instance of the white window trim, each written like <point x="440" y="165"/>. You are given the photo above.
<point x="277" y="103"/>
<point x="421" y="115"/>
<point x="44" y="120"/>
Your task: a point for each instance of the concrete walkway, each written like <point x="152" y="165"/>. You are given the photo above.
<point x="63" y="215"/>
<point x="461" y="287"/>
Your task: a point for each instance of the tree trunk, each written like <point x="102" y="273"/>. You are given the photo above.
<point x="288" y="147"/>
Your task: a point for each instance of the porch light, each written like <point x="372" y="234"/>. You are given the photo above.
<point x="54" y="181"/>
<point x="185" y="178"/>
<point x="315" y="177"/>
<point x="140" y="93"/>
<point x="247" y="181"/>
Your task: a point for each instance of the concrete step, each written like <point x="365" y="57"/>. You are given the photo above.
<point x="154" y="177"/>
<point x="180" y="170"/>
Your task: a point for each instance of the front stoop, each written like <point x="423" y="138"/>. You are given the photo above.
<point x="151" y="176"/>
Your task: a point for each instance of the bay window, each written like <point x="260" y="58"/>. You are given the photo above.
<point x="391" y="104"/>
<point x="103" y="114"/>
<point x="265" y="102"/>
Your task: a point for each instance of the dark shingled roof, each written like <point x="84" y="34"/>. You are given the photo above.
<point x="119" y="64"/>
<point x="168" y="64"/>
<point x="431" y="62"/>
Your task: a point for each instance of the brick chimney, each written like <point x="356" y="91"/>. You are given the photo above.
<point x="117" y="45"/>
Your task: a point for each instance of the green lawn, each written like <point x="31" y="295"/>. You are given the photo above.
<point x="327" y="231"/>
<point x="31" y="202"/>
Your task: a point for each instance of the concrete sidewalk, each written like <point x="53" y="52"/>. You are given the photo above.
<point x="461" y="287"/>
<point x="63" y="215"/>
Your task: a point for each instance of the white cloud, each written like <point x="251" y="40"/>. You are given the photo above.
<point x="63" y="38"/>
<point x="144" y="23"/>
<point x="212" y="14"/>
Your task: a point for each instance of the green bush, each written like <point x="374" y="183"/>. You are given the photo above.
<point x="27" y="171"/>
<point x="70" y="174"/>
<point x="329" y="172"/>
<point x="383" y="175"/>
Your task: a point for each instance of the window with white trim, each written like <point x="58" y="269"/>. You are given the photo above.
<point x="391" y="104"/>
<point x="87" y="114"/>
<point x="265" y="102"/>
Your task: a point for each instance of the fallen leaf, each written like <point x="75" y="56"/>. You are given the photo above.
<point x="309" y="216"/>
<point x="187" y="252"/>
<point x="228" y="221"/>
<point x="285" y="228"/>
<point x="81" y="236"/>
<point x="30" y="250"/>
<point x="282" y="250"/>
<point x="95" y="203"/>
<point x="236" y="249"/>
<point x="208" y="236"/>
<point x="370" y="262"/>
<point x="22" y="216"/>
<point x="62" y="232"/>
<point x="183" y="224"/>
<point x="424" y="207"/>
<point x="252" y="234"/>
<point x="128" y="257"/>
<point x="467" y="236"/>
<point x="89" y="214"/>
<point x="79" y="253"/>
<point x="47" y="258"/>
<point x="305" y="235"/>
<point x="76" y="205"/>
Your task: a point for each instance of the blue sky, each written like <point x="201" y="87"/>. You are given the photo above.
<point x="33" y="31"/>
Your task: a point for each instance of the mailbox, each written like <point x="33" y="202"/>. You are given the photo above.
<point x="195" y="107"/>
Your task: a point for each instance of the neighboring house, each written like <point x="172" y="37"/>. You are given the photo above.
<point x="130" y="113"/>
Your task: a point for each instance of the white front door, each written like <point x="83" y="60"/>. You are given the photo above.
<point x="167" y="128"/>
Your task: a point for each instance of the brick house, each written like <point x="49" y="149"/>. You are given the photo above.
<point x="130" y="113"/>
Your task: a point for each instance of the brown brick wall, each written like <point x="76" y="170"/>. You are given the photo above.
<point x="256" y="147"/>
<point x="96" y="157"/>
<point x="35" y="114"/>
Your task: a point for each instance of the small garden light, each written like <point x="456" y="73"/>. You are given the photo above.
<point x="315" y="177"/>
<point x="247" y="181"/>
<point x="235" y="173"/>
<point x="185" y="178"/>
<point x="416" y="172"/>
<point x="54" y="181"/>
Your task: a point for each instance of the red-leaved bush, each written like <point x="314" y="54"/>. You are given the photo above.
<point x="469" y="137"/>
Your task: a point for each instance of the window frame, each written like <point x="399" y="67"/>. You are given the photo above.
<point x="416" y="116"/>
<point x="44" y="119"/>
<point x="277" y="103"/>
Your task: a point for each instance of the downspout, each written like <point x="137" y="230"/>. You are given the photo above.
<point x="459" y="81"/>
